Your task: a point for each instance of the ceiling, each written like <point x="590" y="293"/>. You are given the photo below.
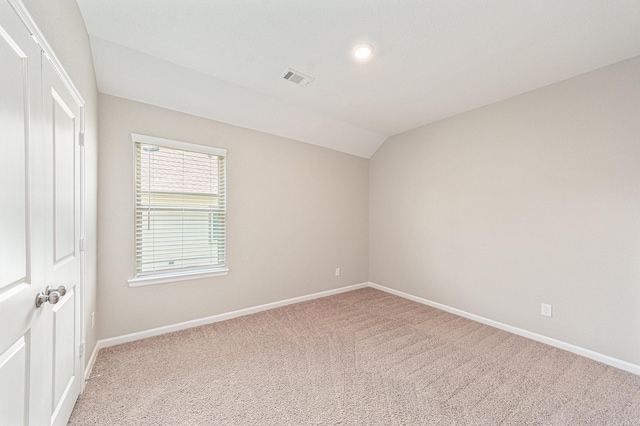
<point x="432" y="59"/>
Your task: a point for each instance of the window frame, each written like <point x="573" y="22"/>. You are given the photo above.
<point x="168" y="277"/>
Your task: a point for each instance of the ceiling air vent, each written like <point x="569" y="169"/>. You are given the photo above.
<point x="297" y="77"/>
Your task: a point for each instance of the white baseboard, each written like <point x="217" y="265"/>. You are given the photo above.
<point x="89" y="368"/>
<point x="104" y="343"/>
<point x="605" y="359"/>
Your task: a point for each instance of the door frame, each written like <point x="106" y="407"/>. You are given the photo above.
<point x="28" y="21"/>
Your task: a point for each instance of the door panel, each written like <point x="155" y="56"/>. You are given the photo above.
<point x="13" y="163"/>
<point x="14" y="369"/>
<point x="62" y="256"/>
<point x="64" y="147"/>
<point x="64" y="353"/>
<point x="22" y="339"/>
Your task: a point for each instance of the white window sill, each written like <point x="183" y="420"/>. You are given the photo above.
<point x="170" y="278"/>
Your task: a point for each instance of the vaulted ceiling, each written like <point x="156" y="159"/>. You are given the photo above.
<point x="432" y="59"/>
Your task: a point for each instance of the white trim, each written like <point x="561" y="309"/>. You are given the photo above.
<point x="170" y="278"/>
<point x="170" y="143"/>
<point x="90" y="364"/>
<point x="29" y="22"/>
<point x="118" y="340"/>
<point x="605" y="359"/>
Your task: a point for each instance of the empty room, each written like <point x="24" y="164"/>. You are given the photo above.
<point x="281" y="212"/>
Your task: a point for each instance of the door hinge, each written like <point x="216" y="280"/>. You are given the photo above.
<point x="81" y="351"/>
<point x="83" y="244"/>
<point x="81" y="139"/>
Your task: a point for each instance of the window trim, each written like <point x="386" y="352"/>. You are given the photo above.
<point x="176" y="277"/>
<point x="168" y="277"/>
<point x="170" y="143"/>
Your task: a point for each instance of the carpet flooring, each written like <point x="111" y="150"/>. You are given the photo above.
<point x="363" y="357"/>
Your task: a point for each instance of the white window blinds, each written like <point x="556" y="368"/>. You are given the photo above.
<point x="180" y="208"/>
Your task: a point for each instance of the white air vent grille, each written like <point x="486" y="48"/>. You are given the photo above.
<point x="297" y="77"/>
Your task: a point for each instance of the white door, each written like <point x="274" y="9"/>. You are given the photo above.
<point x="61" y="123"/>
<point x="40" y="367"/>
<point x="22" y="336"/>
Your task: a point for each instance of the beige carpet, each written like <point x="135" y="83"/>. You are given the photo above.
<point x="359" y="358"/>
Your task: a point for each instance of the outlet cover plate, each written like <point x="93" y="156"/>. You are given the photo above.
<point x="545" y="310"/>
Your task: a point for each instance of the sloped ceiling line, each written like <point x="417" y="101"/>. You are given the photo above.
<point x="432" y="59"/>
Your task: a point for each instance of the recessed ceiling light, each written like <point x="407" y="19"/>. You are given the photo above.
<point x="362" y="51"/>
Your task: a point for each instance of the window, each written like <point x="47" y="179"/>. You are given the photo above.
<point x="180" y="211"/>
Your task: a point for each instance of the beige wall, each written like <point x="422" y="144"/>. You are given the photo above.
<point x="533" y="199"/>
<point x="63" y="26"/>
<point x="295" y="213"/>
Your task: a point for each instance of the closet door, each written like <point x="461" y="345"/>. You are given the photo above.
<point x="62" y="262"/>
<point x="40" y="262"/>
<point x="23" y="339"/>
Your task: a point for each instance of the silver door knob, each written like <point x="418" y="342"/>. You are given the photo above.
<point x="50" y="295"/>
<point x="62" y="290"/>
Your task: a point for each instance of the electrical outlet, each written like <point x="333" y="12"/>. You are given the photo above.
<point x="337" y="272"/>
<point x="93" y="320"/>
<point x="545" y="310"/>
